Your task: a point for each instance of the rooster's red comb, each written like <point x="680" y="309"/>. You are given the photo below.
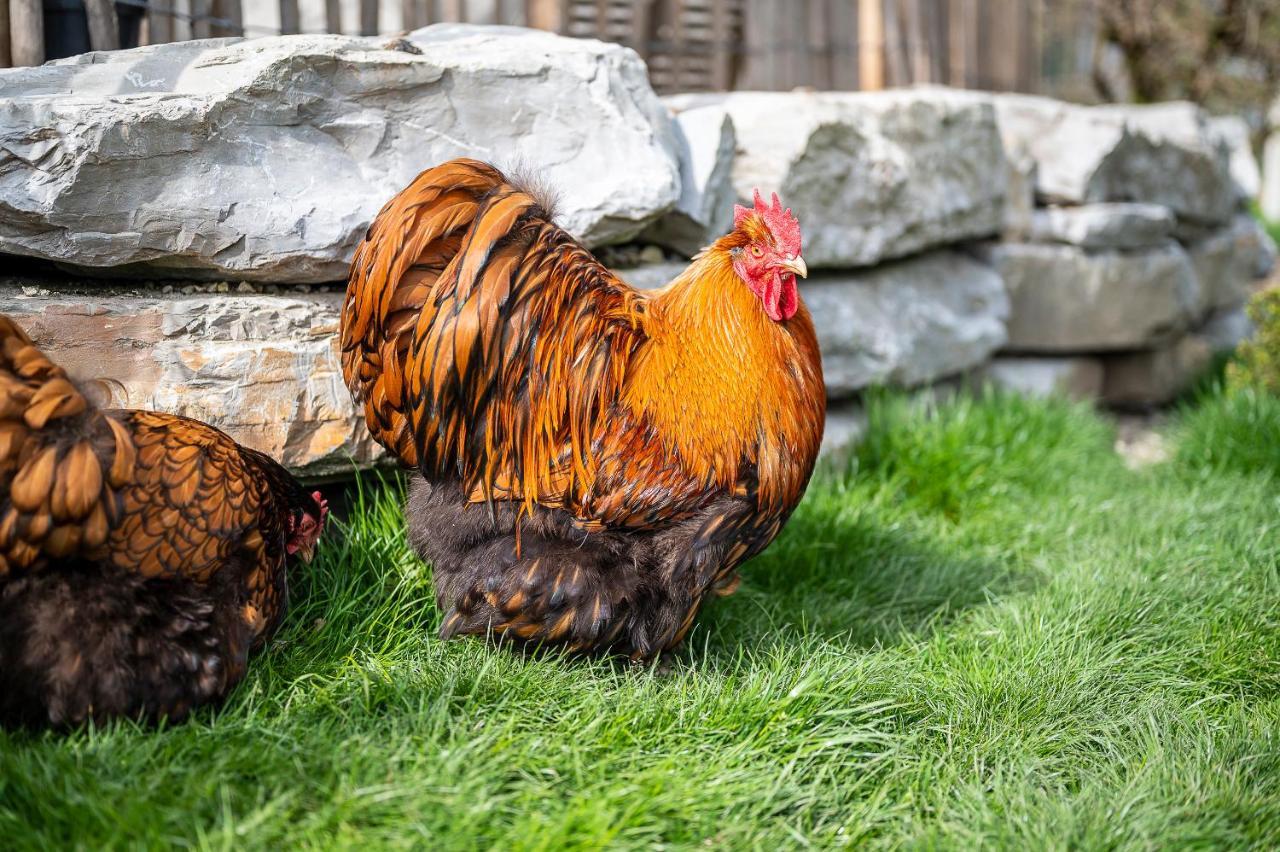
<point x="781" y="223"/>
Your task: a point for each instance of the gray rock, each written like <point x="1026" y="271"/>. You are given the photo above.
<point x="846" y="427"/>
<point x="906" y="323"/>
<point x="1226" y="329"/>
<point x="266" y="159"/>
<point x="1161" y="154"/>
<point x="1103" y="226"/>
<point x="1230" y="261"/>
<point x="1235" y="133"/>
<point x="1074" y="377"/>
<point x="870" y="176"/>
<point x="264" y="369"/>
<point x="1064" y="299"/>
<point x="1269" y="200"/>
<point x="1020" y="203"/>
<point x="705" y="140"/>
<point x="1157" y="376"/>
<point x="651" y="277"/>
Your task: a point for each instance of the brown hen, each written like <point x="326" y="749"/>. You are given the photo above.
<point x="142" y="555"/>
<point x="595" y="459"/>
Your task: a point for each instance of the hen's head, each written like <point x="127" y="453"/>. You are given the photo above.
<point x="305" y="526"/>
<point x="765" y="248"/>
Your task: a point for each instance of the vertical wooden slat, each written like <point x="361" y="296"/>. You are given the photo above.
<point x="200" y="10"/>
<point x="332" y="16"/>
<point x="104" y="32"/>
<point x="6" y="57"/>
<point x="871" y="45"/>
<point x="843" y="18"/>
<point x="159" y="23"/>
<point x="368" y="17"/>
<point x="232" y="12"/>
<point x="642" y="28"/>
<point x="822" y="64"/>
<point x="290" y="19"/>
<point x="452" y="11"/>
<point x="721" y="56"/>
<point x="409" y="15"/>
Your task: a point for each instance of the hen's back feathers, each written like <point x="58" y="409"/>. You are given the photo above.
<point x="141" y="554"/>
<point x="482" y="339"/>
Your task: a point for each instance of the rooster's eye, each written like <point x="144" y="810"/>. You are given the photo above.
<point x="756" y="251"/>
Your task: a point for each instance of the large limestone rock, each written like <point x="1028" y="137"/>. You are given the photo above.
<point x="1064" y="299"/>
<point x="1157" y="376"/>
<point x="264" y="369"/>
<point x="871" y="176"/>
<point x="1230" y="261"/>
<point x="706" y="141"/>
<point x="1103" y="226"/>
<point x="1161" y="154"/>
<point x="906" y="323"/>
<point x="1074" y="377"/>
<point x="1235" y="133"/>
<point x="266" y="159"/>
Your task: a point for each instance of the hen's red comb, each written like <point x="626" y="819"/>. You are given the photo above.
<point x="784" y="226"/>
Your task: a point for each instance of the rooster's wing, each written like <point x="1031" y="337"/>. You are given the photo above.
<point x="488" y="345"/>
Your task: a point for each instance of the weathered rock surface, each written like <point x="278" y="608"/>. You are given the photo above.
<point x="264" y="369"/>
<point x="1224" y="330"/>
<point x="1160" y="154"/>
<point x="846" y="427"/>
<point x="1103" y="226"/>
<point x="1269" y="200"/>
<point x="1064" y="299"/>
<point x="1075" y="377"/>
<point x="651" y="277"/>
<point x="1230" y="261"/>
<point x="1155" y="377"/>
<point x="705" y="140"/>
<point x="871" y="176"/>
<point x="906" y="323"/>
<point x="266" y="159"/>
<point x="1235" y="133"/>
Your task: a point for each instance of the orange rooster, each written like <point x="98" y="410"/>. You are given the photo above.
<point x="595" y="459"/>
<point x="142" y="555"/>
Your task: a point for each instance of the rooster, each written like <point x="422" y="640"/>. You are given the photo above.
<point x="142" y="555"/>
<point x="595" y="459"/>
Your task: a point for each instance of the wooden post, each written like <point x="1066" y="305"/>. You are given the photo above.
<point x="332" y="16"/>
<point x="159" y="23"/>
<point x="547" y="14"/>
<point x="201" y="27"/>
<point x="232" y="12"/>
<point x="721" y="54"/>
<point x="843" y="39"/>
<point x="6" y="58"/>
<point x="104" y="32"/>
<point x="26" y="32"/>
<point x="368" y="17"/>
<point x="870" y="45"/>
<point x="290" y="19"/>
<point x="453" y="11"/>
<point x="821" y="46"/>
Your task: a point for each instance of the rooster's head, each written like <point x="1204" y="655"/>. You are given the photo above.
<point x="765" y="247"/>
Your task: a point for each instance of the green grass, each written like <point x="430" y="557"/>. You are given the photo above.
<point x="982" y="631"/>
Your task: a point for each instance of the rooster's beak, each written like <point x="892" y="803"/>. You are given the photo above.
<point x="796" y="266"/>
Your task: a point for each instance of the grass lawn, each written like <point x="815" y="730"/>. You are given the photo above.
<point x="984" y="630"/>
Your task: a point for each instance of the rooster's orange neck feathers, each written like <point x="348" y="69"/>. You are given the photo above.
<point x="725" y="384"/>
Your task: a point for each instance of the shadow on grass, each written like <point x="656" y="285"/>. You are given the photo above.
<point x="845" y="576"/>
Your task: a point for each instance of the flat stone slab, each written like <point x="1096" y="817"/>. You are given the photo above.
<point x="1103" y="226"/>
<point x="1068" y="300"/>
<point x="906" y="323"/>
<point x="1073" y="377"/>
<point x="266" y="159"/>
<point x="874" y="175"/>
<point x="264" y="369"/>
<point x="1166" y="154"/>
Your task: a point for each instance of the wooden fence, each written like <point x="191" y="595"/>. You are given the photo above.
<point x="690" y="45"/>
